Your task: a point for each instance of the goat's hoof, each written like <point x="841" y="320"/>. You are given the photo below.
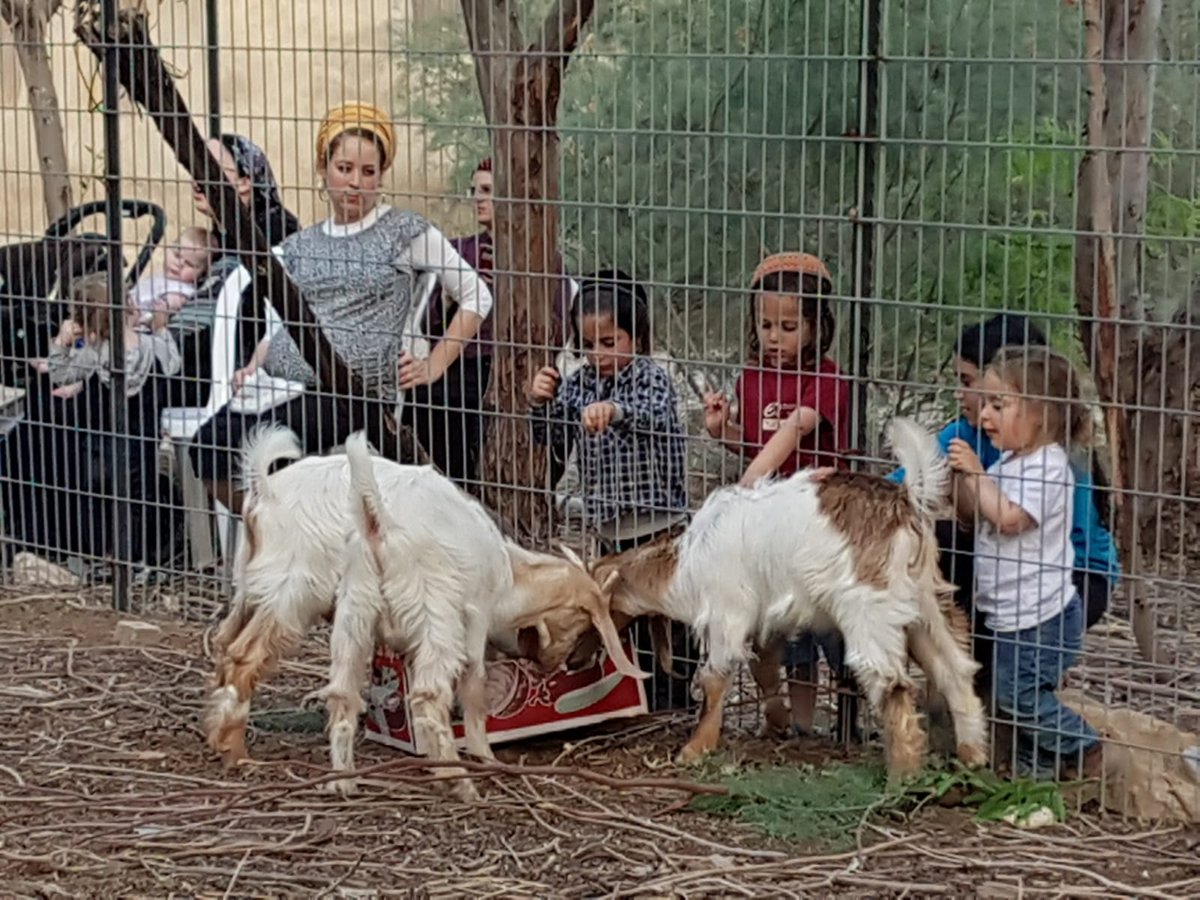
<point x="972" y="756"/>
<point x="233" y="757"/>
<point x="692" y="754"/>
<point x="314" y="698"/>
<point x="343" y="786"/>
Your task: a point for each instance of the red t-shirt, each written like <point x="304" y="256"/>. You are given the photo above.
<point x="766" y="397"/>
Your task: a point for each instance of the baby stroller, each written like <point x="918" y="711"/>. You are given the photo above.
<point x="67" y="463"/>
<point x="35" y="280"/>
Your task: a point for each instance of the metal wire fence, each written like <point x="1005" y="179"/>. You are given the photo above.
<point x="945" y="161"/>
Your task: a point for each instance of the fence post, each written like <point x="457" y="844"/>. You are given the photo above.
<point x="212" y="69"/>
<point x="863" y="218"/>
<point x="121" y="543"/>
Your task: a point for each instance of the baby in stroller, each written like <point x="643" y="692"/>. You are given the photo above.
<point x="160" y="294"/>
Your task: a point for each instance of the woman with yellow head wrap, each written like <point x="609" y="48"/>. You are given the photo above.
<point x="359" y="119"/>
<point x="358" y="270"/>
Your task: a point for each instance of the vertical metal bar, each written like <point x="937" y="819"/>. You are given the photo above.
<point x="871" y="60"/>
<point x="116" y="292"/>
<point x="212" y="68"/>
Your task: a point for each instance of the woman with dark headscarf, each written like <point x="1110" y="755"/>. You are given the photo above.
<point x="246" y="165"/>
<point x="247" y="168"/>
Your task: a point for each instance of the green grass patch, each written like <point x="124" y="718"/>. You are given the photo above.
<point x="302" y="721"/>
<point x="818" y="806"/>
<point x="827" y="806"/>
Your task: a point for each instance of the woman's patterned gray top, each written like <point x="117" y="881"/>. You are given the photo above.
<point x="360" y="288"/>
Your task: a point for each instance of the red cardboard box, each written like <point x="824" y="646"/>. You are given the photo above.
<point x="523" y="701"/>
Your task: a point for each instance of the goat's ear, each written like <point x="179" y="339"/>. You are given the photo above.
<point x="572" y="556"/>
<point x="543" y="632"/>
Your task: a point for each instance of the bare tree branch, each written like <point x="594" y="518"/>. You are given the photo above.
<point x="28" y="21"/>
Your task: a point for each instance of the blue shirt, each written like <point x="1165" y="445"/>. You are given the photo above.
<point x="1094" y="548"/>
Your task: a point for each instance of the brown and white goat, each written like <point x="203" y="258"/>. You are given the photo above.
<point x="298" y="523"/>
<point x="817" y="551"/>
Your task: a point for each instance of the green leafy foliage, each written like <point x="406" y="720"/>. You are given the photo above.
<point x="823" y="807"/>
<point x="826" y="807"/>
<point x="697" y="134"/>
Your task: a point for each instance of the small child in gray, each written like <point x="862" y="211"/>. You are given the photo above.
<point x="81" y="348"/>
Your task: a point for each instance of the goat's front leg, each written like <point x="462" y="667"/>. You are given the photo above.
<point x="765" y="668"/>
<point x="472" y="691"/>
<point x="351" y="645"/>
<point x="249" y="646"/>
<point x="715" y="684"/>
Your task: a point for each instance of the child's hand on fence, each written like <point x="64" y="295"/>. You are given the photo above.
<point x="716" y="413"/>
<point x="545" y="386"/>
<point x="67" y="391"/>
<point x="68" y="333"/>
<point x="963" y="458"/>
<point x="598" y="416"/>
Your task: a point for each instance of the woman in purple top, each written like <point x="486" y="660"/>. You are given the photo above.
<point x="448" y="416"/>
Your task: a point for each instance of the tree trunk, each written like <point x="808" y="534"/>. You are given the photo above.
<point x="28" y="20"/>
<point x="520" y="87"/>
<point x="1151" y="368"/>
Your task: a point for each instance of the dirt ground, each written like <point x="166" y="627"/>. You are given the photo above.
<point x="106" y="790"/>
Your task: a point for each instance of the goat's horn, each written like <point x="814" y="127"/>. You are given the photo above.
<point x="572" y="556"/>
<point x="612" y="646"/>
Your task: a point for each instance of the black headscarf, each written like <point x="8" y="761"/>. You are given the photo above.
<point x="266" y="205"/>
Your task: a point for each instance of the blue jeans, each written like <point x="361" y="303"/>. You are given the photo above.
<point x="1029" y="668"/>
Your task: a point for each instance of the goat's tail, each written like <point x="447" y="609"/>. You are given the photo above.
<point x="366" y="503"/>
<point x="926" y="473"/>
<point x="265" y="446"/>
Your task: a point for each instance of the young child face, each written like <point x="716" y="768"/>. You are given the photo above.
<point x="966" y="392"/>
<point x="186" y="261"/>
<point x="782" y="330"/>
<point x="1010" y="421"/>
<point x="608" y="347"/>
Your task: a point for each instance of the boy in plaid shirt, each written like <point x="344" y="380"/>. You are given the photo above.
<point x="620" y="410"/>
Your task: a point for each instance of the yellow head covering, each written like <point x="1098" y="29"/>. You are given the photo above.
<point x="357" y="117"/>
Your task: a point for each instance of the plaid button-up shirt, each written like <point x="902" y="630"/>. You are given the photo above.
<point x="637" y="464"/>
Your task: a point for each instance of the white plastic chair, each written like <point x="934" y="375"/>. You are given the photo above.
<point x="180" y="424"/>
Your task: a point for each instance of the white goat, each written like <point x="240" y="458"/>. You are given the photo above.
<point x="817" y="551"/>
<point x="431" y="590"/>
<point x="300" y="528"/>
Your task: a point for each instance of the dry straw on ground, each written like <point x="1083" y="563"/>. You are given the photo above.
<point x="106" y="791"/>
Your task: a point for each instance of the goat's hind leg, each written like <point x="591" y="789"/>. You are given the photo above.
<point x="351" y="644"/>
<point x="431" y="698"/>
<point x="951" y="671"/>
<point x="250" y="652"/>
